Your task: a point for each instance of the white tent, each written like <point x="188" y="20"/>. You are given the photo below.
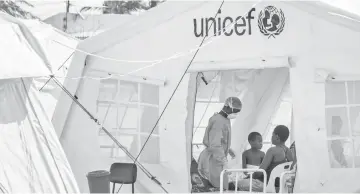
<point x="306" y="45"/>
<point x="32" y="159"/>
<point x="57" y="47"/>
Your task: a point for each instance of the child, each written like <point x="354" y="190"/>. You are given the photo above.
<point x="280" y="153"/>
<point x="253" y="157"/>
<point x="273" y="157"/>
<point x="276" y="155"/>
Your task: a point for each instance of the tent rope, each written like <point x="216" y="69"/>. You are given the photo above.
<point x="174" y="56"/>
<point x="177" y="86"/>
<point x="153" y="62"/>
<point x="123" y="148"/>
<point x="74" y="98"/>
<point x="58" y="70"/>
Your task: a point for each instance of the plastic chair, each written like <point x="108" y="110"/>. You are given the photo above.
<point x="123" y="173"/>
<point x="287" y="187"/>
<point x="275" y="175"/>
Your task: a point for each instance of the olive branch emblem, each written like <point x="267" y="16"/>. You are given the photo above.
<point x="266" y="32"/>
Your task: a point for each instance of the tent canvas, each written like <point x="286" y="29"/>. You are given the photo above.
<point x="30" y="51"/>
<point x="59" y="56"/>
<point x="32" y="159"/>
<point x="87" y="25"/>
<point x="315" y="42"/>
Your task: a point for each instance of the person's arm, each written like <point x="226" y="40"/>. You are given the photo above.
<point x="262" y="157"/>
<point x="207" y="132"/>
<point x="244" y="159"/>
<point x="268" y="158"/>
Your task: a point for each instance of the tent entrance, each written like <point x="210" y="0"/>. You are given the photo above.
<point x="266" y="98"/>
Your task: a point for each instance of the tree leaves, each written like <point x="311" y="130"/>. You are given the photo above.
<point x="15" y="10"/>
<point x="122" y="7"/>
<point x="126" y="7"/>
<point x="25" y="2"/>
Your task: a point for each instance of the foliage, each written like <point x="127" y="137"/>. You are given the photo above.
<point x="122" y="7"/>
<point x="12" y="8"/>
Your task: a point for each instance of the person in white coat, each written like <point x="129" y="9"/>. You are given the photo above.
<point x="217" y="139"/>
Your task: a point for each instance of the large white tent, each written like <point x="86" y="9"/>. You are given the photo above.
<point x="32" y="159"/>
<point x="310" y="48"/>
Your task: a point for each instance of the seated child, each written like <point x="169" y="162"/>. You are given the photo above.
<point x="278" y="154"/>
<point x="273" y="157"/>
<point x="253" y="157"/>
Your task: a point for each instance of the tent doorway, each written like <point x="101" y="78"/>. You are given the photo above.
<point x="266" y="98"/>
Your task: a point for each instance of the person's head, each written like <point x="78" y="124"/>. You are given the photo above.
<point x="255" y="140"/>
<point x="232" y="107"/>
<point x="280" y="135"/>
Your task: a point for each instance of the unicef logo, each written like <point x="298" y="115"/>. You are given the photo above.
<point x="271" y="21"/>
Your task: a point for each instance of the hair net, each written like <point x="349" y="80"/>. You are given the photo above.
<point x="233" y="102"/>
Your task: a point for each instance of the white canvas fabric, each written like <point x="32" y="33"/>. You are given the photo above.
<point x="32" y="158"/>
<point x="57" y="47"/>
<point x="260" y="103"/>
<point x="314" y="36"/>
<point x="21" y="55"/>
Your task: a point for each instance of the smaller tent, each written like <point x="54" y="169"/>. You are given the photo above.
<point x="87" y="25"/>
<point x="32" y="159"/>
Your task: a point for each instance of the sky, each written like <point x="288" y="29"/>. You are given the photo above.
<point x="47" y="8"/>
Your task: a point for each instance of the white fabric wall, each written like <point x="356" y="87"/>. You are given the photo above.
<point x="193" y="85"/>
<point x="81" y="144"/>
<point x="80" y="136"/>
<point x="49" y="92"/>
<point x="32" y="159"/>
<point x="259" y="105"/>
<point x="314" y="172"/>
<point x="173" y="136"/>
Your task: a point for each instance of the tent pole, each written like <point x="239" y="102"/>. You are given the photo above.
<point x="66" y="15"/>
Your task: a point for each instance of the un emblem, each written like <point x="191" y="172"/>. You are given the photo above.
<point x="271" y="21"/>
